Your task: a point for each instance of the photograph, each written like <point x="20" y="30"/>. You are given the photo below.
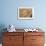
<point x="25" y="12"/>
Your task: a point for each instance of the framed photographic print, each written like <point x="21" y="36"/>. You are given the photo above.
<point x="25" y="13"/>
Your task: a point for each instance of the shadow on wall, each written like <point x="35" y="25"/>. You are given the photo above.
<point x="2" y="26"/>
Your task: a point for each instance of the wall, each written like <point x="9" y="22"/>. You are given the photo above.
<point x="8" y="13"/>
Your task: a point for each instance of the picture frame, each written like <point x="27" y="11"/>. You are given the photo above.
<point x="25" y="13"/>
